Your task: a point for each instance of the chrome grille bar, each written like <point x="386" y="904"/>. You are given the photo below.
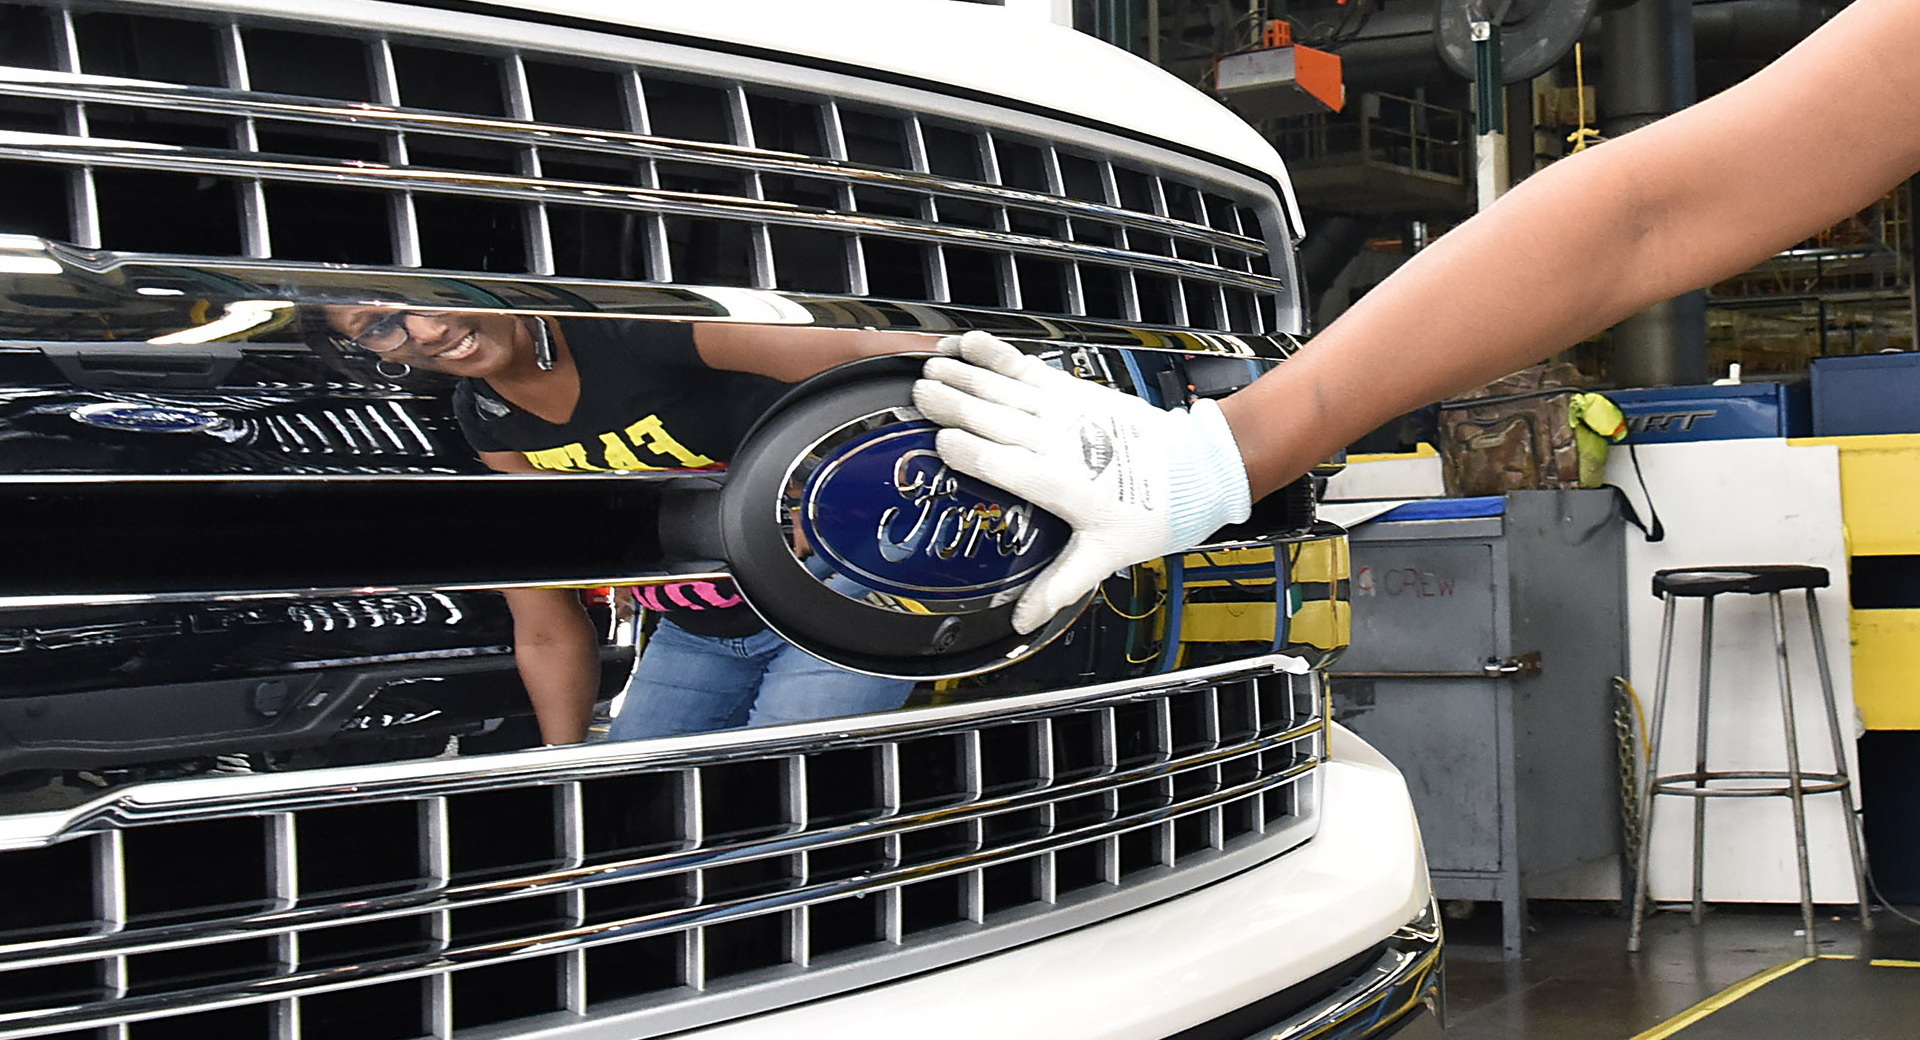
<point x="433" y="964"/>
<point x="135" y="156"/>
<point x="756" y="837"/>
<point x="511" y="218"/>
<point x="520" y="132"/>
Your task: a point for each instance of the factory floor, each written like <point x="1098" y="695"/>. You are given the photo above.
<point x="1577" y="982"/>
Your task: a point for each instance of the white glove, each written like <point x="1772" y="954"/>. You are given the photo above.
<point x="1134" y="481"/>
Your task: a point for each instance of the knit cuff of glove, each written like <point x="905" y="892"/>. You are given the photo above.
<point x="1208" y="490"/>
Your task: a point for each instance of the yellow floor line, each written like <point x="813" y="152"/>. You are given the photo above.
<point x="1894" y="964"/>
<point x="1721" y="999"/>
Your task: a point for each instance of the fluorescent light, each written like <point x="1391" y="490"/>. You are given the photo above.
<point x="28" y="265"/>
<point x="756" y="305"/>
<point x="240" y="316"/>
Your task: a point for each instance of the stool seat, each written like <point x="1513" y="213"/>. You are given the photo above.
<point x="1758" y="579"/>
<point x="1694" y="785"/>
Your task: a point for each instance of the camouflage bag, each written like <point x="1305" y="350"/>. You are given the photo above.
<point x="1514" y="434"/>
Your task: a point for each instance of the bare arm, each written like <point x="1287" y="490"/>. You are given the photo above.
<point x="791" y="353"/>
<point x="554" y="645"/>
<point x="1597" y="237"/>
<point x="557" y="652"/>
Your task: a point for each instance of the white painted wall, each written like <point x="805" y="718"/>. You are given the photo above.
<point x="1743" y="502"/>
<point x="1405" y="476"/>
<point x="1059" y="12"/>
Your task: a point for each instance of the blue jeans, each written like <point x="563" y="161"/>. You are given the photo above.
<point x="688" y="683"/>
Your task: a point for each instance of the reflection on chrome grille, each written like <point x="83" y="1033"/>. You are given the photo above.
<point x="762" y="871"/>
<point x="299" y="142"/>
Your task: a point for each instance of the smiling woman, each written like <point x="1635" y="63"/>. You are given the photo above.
<point x="580" y="394"/>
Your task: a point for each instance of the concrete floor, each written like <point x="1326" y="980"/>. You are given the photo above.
<point x="1577" y="982"/>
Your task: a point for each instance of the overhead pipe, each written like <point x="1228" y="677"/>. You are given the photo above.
<point x="1654" y="45"/>
<point x="1395" y="53"/>
<point x="1650" y="75"/>
<point x="1754" y="28"/>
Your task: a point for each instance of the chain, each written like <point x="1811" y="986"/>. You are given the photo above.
<point x="1627" y="740"/>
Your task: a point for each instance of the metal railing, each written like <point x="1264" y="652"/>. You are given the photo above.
<point x="1387" y="130"/>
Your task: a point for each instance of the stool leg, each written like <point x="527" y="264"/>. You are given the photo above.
<point x="1700" y="760"/>
<point x="1793" y="772"/>
<point x="1650" y="779"/>
<point x="1840" y="763"/>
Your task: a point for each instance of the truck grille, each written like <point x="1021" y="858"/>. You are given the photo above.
<point x="669" y="888"/>
<point x="142" y="129"/>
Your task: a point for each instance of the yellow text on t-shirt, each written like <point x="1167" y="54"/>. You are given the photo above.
<point x="644" y="445"/>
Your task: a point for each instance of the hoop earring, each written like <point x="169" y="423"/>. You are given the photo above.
<point x="542" y="345"/>
<point x="380" y="367"/>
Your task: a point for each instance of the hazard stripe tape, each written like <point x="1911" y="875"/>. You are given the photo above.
<point x="1721" y="999"/>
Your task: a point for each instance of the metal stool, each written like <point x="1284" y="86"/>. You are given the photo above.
<point x="1706" y="583"/>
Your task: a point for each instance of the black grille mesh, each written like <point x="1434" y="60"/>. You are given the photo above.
<point x="660" y="887"/>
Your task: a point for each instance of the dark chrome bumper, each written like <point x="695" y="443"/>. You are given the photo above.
<point x="1384" y="999"/>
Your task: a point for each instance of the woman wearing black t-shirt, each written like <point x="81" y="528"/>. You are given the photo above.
<point x="585" y="394"/>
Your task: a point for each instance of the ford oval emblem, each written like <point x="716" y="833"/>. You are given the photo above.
<point x="146" y="418"/>
<point x="887" y="512"/>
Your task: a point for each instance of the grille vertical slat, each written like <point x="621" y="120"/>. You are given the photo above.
<point x="403" y="220"/>
<point x="1161" y="839"/>
<point x="1179" y="314"/>
<point x="256" y="235"/>
<point x="740" y="129"/>
<point x="892" y="802"/>
<point x="1216" y="816"/>
<point x="1129" y="291"/>
<point x="83" y="202"/>
<point x="570" y="818"/>
<point x="283" y="887"/>
<point x="693" y="963"/>
<point x="110" y="893"/>
<point x="1108" y="737"/>
<point x="693" y="950"/>
<point x="653" y="227"/>
<point x="1006" y="287"/>
<point x="539" y="232"/>
<point x="800" y="788"/>
<point x="436" y="855"/>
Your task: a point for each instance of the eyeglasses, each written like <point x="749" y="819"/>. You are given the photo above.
<point x="386" y="333"/>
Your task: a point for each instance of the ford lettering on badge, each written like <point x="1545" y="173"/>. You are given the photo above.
<point x="888" y="513"/>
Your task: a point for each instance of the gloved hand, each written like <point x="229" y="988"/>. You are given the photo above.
<point x="1134" y="481"/>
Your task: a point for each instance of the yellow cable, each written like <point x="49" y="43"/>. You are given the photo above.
<point x="1579" y="137"/>
<point x="1108" y="600"/>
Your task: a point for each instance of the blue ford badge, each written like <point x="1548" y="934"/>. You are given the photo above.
<point x="888" y="513"/>
<point x="146" y="418"/>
